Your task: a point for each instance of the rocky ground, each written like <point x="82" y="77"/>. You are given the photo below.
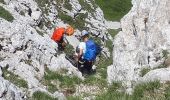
<point x="31" y="67"/>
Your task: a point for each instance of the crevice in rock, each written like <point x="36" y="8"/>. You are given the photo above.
<point x="29" y="11"/>
<point x="1" y="47"/>
<point x="134" y="30"/>
<point x="148" y="59"/>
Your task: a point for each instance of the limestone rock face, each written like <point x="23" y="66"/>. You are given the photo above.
<point x="25" y="52"/>
<point x="26" y="48"/>
<point x="8" y="91"/>
<point x="145" y="34"/>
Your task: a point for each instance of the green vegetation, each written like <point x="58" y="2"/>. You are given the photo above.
<point x="113" y="32"/>
<point x="69" y="49"/>
<point x="5" y="14"/>
<point x="167" y="92"/>
<point x="141" y="92"/>
<point x="86" y="6"/>
<point x="77" y="22"/>
<point x="42" y="3"/>
<point x="112" y="93"/>
<point x="22" y="13"/>
<point x="165" y="53"/>
<point x="2" y="1"/>
<point x="15" y="79"/>
<point x="114" y="10"/>
<point x="67" y="5"/>
<point x="40" y="33"/>
<point x="55" y="81"/>
<point x="144" y="71"/>
<point x="42" y="96"/>
<point x="97" y="81"/>
<point x="146" y="87"/>
<point x="74" y="98"/>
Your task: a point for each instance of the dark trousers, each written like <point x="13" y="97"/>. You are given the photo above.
<point x="60" y="44"/>
<point x="85" y="66"/>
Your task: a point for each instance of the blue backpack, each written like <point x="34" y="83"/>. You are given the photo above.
<point x="92" y="50"/>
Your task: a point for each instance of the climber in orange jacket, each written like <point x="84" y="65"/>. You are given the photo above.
<point x="58" y="36"/>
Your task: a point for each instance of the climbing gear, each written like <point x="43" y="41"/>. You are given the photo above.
<point x="91" y="51"/>
<point x="84" y="32"/>
<point x="69" y="30"/>
<point x="58" y="34"/>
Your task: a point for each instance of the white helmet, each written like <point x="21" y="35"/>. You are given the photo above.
<point x="84" y="32"/>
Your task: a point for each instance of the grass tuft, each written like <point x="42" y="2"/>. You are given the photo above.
<point x="146" y="87"/>
<point x="67" y="5"/>
<point x="55" y="81"/>
<point x="42" y="96"/>
<point x="144" y="71"/>
<point x="140" y="92"/>
<point x="5" y="14"/>
<point x="15" y="79"/>
<point x="165" y="53"/>
<point x="74" y="98"/>
<point x="167" y="93"/>
<point x="113" y="32"/>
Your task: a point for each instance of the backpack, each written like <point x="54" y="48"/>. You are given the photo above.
<point x="92" y="50"/>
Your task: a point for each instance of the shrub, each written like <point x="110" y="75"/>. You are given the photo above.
<point x="5" y="14"/>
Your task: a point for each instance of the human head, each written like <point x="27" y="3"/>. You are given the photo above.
<point x="84" y="35"/>
<point x="69" y="31"/>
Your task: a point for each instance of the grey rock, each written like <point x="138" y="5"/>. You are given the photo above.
<point x="144" y="35"/>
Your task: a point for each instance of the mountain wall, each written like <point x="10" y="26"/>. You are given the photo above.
<point x="142" y="44"/>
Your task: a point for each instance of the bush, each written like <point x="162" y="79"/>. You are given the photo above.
<point x="5" y="14"/>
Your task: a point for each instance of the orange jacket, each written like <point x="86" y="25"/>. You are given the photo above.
<point x="58" y="34"/>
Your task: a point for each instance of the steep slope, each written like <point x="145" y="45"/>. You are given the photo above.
<point x="142" y="44"/>
<point x="29" y="59"/>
